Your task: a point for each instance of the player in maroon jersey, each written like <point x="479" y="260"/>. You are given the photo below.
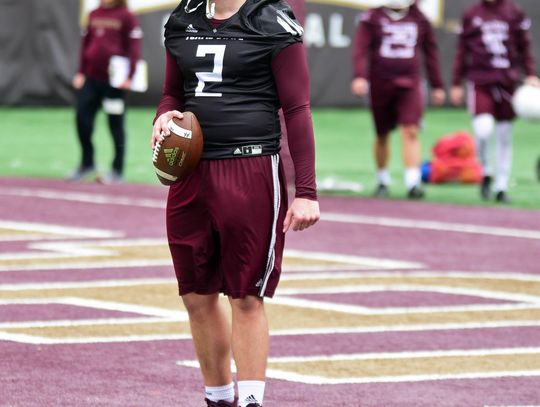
<point x="235" y="66"/>
<point x="493" y="45"/>
<point x="387" y="57"/>
<point x="111" y="30"/>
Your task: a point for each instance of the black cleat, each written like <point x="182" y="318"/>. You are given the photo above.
<point x="502" y="197"/>
<point x="221" y="403"/>
<point x="485" y="187"/>
<point x="415" y="193"/>
<point x="381" y="191"/>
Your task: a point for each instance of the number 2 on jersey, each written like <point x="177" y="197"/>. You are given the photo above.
<point x="215" y="76"/>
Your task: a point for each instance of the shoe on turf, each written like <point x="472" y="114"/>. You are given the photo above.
<point x="485" y="187"/>
<point x="112" y="177"/>
<point x="502" y="197"/>
<point x="80" y="173"/>
<point x="381" y="191"/>
<point x="221" y="403"/>
<point x="415" y="192"/>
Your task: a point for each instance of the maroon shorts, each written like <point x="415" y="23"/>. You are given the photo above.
<point x="225" y="227"/>
<point x="492" y="99"/>
<point x="393" y="105"/>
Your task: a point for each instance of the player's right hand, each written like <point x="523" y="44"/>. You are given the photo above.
<point x="359" y="86"/>
<point x="532" y="80"/>
<point x="78" y="80"/>
<point x="456" y="95"/>
<point x="161" y="129"/>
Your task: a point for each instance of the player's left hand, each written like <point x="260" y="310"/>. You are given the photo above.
<point x="532" y="80"/>
<point x="302" y="214"/>
<point x="126" y="85"/>
<point x="438" y="96"/>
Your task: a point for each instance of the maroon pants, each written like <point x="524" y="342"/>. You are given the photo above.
<point x="225" y="227"/>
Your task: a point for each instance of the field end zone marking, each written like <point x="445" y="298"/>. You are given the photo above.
<point x="75" y="249"/>
<point x="326" y="216"/>
<point x="314" y="379"/>
<point x="431" y="225"/>
<point x="40" y="340"/>
<point x="54" y="231"/>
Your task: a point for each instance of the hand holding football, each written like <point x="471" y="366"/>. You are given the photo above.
<point x="178" y="154"/>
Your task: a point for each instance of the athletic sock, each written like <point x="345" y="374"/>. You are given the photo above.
<point x="383" y="177"/>
<point x="412" y="177"/>
<point x="220" y="392"/>
<point x="483" y="126"/>
<point x="250" y="391"/>
<point x="503" y="137"/>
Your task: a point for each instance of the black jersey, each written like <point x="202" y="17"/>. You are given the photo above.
<point x="227" y="73"/>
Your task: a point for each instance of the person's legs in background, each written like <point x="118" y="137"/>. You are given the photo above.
<point x="503" y="137"/>
<point x="410" y="106"/>
<point x="382" y="105"/>
<point x="411" y="150"/>
<point x="115" y="106"/>
<point x="88" y="103"/>
<point x="483" y="126"/>
<point x="381" y="152"/>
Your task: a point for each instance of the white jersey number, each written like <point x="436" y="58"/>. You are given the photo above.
<point x="216" y="75"/>
<point x="399" y="40"/>
<point x="494" y="34"/>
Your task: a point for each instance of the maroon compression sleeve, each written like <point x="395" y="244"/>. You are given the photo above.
<point x="431" y="53"/>
<point x="362" y="45"/>
<point x="290" y="71"/>
<point x="173" y="88"/>
<point x="132" y="37"/>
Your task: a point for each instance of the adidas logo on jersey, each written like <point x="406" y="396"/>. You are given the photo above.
<point x="191" y="29"/>
<point x="248" y="150"/>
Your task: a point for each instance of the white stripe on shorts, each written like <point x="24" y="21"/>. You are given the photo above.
<point x="277" y="202"/>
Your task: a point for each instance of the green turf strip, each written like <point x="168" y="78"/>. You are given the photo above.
<point x="41" y="142"/>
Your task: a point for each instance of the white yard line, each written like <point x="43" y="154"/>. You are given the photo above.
<point x="431" y="225"/>
<point x="326" y="216"/>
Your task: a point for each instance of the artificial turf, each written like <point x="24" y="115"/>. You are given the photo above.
<point x="41" y="142"/>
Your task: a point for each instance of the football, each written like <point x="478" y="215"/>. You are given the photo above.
<point x="178" y="154"/>
<point x="525" y="102"/>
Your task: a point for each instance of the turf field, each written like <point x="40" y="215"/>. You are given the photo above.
<point x="40" y="142"/>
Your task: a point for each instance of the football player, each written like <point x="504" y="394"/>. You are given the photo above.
<point x="493" y="45"/>
<point x="112" y="30"/>
<point x="234" y="63"/>
<point x="388" y="50"/>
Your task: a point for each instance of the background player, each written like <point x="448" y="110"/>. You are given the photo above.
<point x="226" y="221"/>
<point x="493" y="44"/>
<point x="112" y="30"/>
<point x="392" y="39"/>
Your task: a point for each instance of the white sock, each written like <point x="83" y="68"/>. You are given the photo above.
<point x="483" y="126"/>
<point x="503" y="137"/>
<point x="412" y="177"/>
<point x="250" y="391"/>
<point x="383" y="176"/>
<point x="220" y="393"/>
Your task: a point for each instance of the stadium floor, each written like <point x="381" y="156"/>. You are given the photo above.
<point x="383" y="303"/>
